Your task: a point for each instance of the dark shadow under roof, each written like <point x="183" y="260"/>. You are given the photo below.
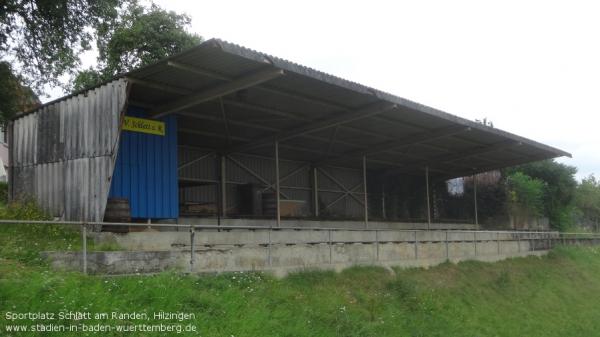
<point x="233" y="99"/>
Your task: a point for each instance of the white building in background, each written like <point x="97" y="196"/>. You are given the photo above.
<point x="456" y="186"/>
<point x="3" y="156"/>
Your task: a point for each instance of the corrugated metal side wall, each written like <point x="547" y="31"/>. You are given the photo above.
<point x="146" y="171"/>
<point x="297" y="186"/>
<point x="63" y="153"/>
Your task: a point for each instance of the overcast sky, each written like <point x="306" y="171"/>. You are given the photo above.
<point x="531" y="67"/>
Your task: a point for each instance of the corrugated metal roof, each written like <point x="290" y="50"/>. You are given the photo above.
<point x="304" y="96"/>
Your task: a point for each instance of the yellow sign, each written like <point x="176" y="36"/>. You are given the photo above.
<point x="150" y="126"/>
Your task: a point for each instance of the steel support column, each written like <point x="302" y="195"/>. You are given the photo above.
<point x="427" y="196"/>
<point x="223" y="186"/>
<point x="383" y="215"/>
<point x="277" y="183"/>
<point x="364" y="166"/>
<point x="315" y="186"/>
<point x="475" y="200"/>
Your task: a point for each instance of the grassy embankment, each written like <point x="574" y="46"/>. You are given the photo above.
<point x="557" y="295"/>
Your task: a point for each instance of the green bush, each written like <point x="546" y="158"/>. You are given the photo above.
<point x="27" y="210"/>
<point x="525" y="194"/>
<point x="3" y="193"/>
<point x="559" y="189"/>
<point x="587" y="199"/>
<point x="24" y="242"/>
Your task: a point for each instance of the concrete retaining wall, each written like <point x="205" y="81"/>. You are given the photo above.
<point x="148" y="241"/>
<point x="288" y="250"/>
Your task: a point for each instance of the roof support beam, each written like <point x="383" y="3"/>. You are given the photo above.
<point x="274" y="112"/>
<point x="225" y="121"/>
<point x="403" y="142"/>
<point x="217" y="91"/>
<point x="321" y="124"/>
<point x="243" y="139"/>
<point x="341" y="127"/>
<point x="476" y="151"/>
<point x="159" y="86"/>
<point x="305" y="98"/>
<point x="267" y="110"/>
<point x="481" y="169"/>
<point x="472" y="152"/>
<point x="308" y="98"/>
<point x="197" y="71"/>
<point x="230" y="122"/>
<point x="318" y="138"/>
<point x="261" y="127"/>
<point x="283" y="146"/>
<point x="332" y="140"/>
<point x="387" y="119"/>
<point x="210" y="134"/>
<point x="434" y="163"/>
<point x="208" y="73"/>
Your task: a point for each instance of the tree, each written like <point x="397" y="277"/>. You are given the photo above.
<point x="139" y="37"/>
<point x="42" y="39"/>
<point x="87" y="78"/>
<point x="525" y="195"/>
<point x="13" y="95"/>
<point x="587" y="198"/>
<point x="8" y="86"/>
<point x="559" y="189"/>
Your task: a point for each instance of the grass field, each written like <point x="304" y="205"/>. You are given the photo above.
<point x="557" y="295"/>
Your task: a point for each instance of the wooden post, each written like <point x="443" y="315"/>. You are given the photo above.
<point x="365" y="191"/>
<point x="277" y="183"/>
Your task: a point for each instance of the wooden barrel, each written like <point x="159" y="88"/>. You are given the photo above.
<point x="117" y="210"/>
<point x="269" y="203"/>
